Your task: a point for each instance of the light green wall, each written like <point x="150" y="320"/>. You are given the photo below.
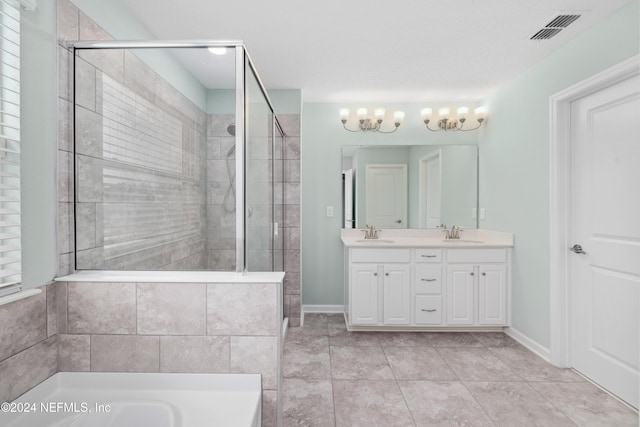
<point x="285" y="101"/>
<point x="322" y="139"/>
<point x="221" y="101"/>
<point x="38" y="121"/>
<point x="118" y="21"/>
<point x="514" y="157"/>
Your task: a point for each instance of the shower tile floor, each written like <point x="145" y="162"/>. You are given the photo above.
<point x="333" y="377"/>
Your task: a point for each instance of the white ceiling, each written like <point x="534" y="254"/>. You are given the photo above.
<point x="377" y="50"/>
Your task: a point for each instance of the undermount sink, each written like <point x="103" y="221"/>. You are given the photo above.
<point x="374" y="241"/>
<point x="461" y="241"/>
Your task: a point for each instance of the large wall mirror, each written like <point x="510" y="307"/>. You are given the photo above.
<point x="410" y="186"/>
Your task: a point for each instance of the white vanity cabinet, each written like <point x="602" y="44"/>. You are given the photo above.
<point x="379" y="290"/>
<point x="477" y="286"/>
<point x="427" y="288"/>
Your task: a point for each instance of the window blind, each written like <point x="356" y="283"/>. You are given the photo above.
<point x="10" y="252"/>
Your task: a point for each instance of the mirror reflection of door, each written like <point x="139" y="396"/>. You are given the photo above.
<point x="430" y="191"/>
<point x="386" y="195"/>
<point x="347" y="194"/>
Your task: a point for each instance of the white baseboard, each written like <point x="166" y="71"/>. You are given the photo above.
<point x="532" y="345"/>
<point x="335" y="308"/>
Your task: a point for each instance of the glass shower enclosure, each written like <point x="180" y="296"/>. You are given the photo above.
<point x="178" y="159"/>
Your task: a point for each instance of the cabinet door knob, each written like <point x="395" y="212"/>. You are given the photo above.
<point x="428" y="280"/>
<point x="375" y="274"/>
<point x="471" y="273"/>
<point x="484" y="274"/>
<point x="429" y="310"/>
<point x="386" y="274"/>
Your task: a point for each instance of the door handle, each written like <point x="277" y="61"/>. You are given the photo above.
<point x="577" y="249"/>
<point x="398" y="221"/>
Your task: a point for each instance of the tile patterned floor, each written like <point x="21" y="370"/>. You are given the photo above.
<point x="333" y="377"/>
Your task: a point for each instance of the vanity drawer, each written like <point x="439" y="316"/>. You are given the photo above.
<point x="476" y="255"/>
<point x="380" y="255"/>
<point x="428" y="255"/>
<point x="428" y="310"/>
<point x="428" y="279"/>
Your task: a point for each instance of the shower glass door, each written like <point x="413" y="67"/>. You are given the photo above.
<point x="259" y="175"/>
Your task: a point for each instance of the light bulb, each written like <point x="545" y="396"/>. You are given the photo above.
<point x="344" y="114"/>
<point x="481" y="113"/>
<point x="362" y="113"/>
<point x="379" y="113"/>
<point x="398" y="117"/>
<point x="463" y="112"/>
<point x="425" y="113"/>
<point x="444" y="113"/>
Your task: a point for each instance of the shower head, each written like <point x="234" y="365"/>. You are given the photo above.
<point x="231" y="129"/>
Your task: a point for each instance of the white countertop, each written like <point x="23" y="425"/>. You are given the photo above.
<point x="427" y="238"/>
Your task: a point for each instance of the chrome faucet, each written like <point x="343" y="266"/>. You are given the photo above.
<point x="370" y="232"/>
<point x="454" y="233"/>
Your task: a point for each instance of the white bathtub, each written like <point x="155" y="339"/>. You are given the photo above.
<point x="83" y="399"/>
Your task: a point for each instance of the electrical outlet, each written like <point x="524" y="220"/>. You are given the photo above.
<point x="330" y="211"/>
<point x="474" y="213"/>
<point x="482" y="213"/>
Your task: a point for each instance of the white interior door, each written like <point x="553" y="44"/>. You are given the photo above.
<point x="605" y="222"/>
<point x="433" y="189"/>
<point x="347" y="191"/>
<point x="386" y="196"/>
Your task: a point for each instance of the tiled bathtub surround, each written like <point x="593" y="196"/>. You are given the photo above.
<point x="173" y="327"/>
<point x="28" y="343"/>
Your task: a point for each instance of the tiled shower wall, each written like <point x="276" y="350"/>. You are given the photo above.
<point x="140" y="159"/>
<point x="137" y="209"/>
<point x="221" y="200"/>
<point x="73" y="24"/>
<point x="291" y="127"/>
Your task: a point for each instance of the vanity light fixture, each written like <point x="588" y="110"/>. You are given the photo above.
<point x="368" y="124"/>
<point x="447" y="122"/>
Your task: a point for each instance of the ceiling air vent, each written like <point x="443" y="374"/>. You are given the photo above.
<point x="556" y="25"/>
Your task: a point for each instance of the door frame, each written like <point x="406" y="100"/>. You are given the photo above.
<point x="560" y="201"/>
<point x="422" y="189"/>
